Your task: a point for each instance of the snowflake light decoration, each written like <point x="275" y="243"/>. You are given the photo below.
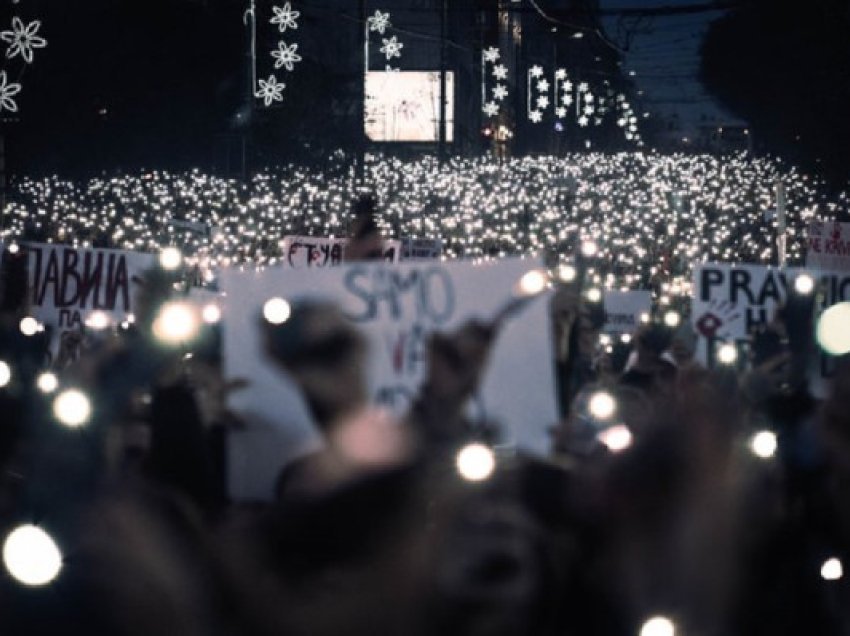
<point x="500" y="72"/>
<point x="491" y="109"/>
<point x="23" y="39"/>
<point x="561" y="112"/>
<point x="491" y="54"/>
<point x="285" y="17"/>
<point x="286" y="56"/>
<point x="270" y="90"/>
<point x="561" y="74"/>
<point x="543" y="85"/>
<point x="535" y="116"/>
<point x="542" y="102"/>
<point x="392" y="47"/>
<point x="500" y="92"/>
<point x="537" y="71"/>
<point x="379" y="22"/>
<point x="7" y="91"/>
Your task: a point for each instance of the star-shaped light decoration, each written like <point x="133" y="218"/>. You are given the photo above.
<point x="500" y="72"/>
<point x="588" y="110"/>
<point x="491" y="54"/>
<point x="542" y="102"/>
<point x="588" y="97"/>
<point x="535" y="116"/>
<point x="561" y="112"/>
<point x="567" y="86"/>
<point x="270" y="90"/>
<point x="536" y="71"/>
<point x="491" y="109"/>
<point x="500" y="92"/>
<point x="543" y="85"/>
<point x="561" y="74"/>
<point x="379" y="22"/>
<point x="582" y="121"/>
<point x="392" y="47"/>
<point x="23" y="39"/>
<point x="583" y="87"/>
<point x="286" y="56"/>
<point x="568" y="100"/>
<point x="285" y="17"/>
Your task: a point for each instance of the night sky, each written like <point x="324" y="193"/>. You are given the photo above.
<point x="125" y="84"/>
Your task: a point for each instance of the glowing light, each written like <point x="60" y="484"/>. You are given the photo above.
<point x="31" y="556"/>
<point x="594" y="295"/>
<point x="29" y="326"/>
<point x="764" y="444"/>
<point x="72" y="408"/>
<point x="475" y="462"/>
<point x="175" y="323"/>
<point x="602" y="405"/>
<point x="589" y="249"/>
<point x="533" y="282"/>
<point x="5" y="373"/>
<point x="833" y="330"/>
<point x="616" y="438"/>
<point x="832" y="570"/>
<point x="672" y="319"/>
<point x="47" y="382"/>
<point x="804" y="284"/>
<point x="277" y="311"/>
<point x="170" y="258"/>
<point x="211" y="314"/>
<point x="658" y="626"/>
<point x="567" y="273"/>
<point x="727" y="353"/>
<point x="98" y="320"/>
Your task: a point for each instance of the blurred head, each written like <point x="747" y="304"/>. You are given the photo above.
<point x="324" y="355"/>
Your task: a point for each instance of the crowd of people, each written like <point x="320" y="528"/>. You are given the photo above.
<point x="676" y="499"/>
<point x="652" y="215"/>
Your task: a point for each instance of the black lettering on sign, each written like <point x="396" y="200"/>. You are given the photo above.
<point x="709" y="278"/>
<point x="740" y="282"/>
<point x="71" y="281"/>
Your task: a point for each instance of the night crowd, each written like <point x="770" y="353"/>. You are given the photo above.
<point x="677" y="498"/>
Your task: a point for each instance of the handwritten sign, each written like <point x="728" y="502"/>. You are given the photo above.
<point x="304" y="252"/>
<point x="828" y="246"/>
<point x="731" y="300"/>
<point x="68" y="284"/>
<point x="397" y="308"/>
<point x="623" y="310"/>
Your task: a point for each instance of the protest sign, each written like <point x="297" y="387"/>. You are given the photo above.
<point x="307" y="252"/>
<point x="731" y="300"/>
<point x="828" y="246"/>
<point x="623" y="310"/>
<point x="397" y="308"/>
<point x="68" y="284"/>
<point x="421" y="249"/>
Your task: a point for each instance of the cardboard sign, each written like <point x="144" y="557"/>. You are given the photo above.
<point x="828" y="246"/>
<point x="302" y="252"/>
<point x="731" y="300"/>
<point x="623" y="310"/>
<point x="68" y="284"/>
<point x="396" y="307"/>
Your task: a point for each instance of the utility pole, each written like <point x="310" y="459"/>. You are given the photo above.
<point x="441" y="150"/>
<point x="361" y="114"/>
<point x="247" y="120"/>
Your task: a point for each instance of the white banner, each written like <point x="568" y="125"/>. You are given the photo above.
<point x="828" y="246"/>
<point x="396" y="307"/>
<point x="623" y="310"/>
<point x="307" y="252"/>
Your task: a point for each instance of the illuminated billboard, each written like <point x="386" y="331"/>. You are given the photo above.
<point x="405" y="106"/>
